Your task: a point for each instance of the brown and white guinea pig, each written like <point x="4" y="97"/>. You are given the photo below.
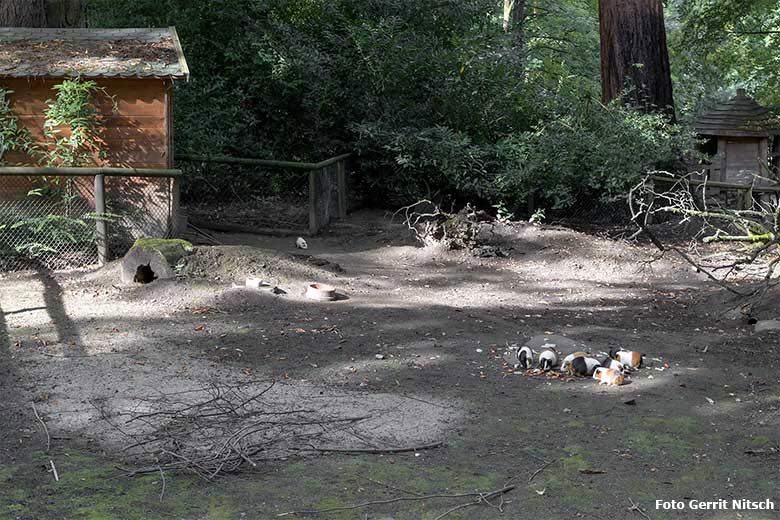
<point x="548" y="359"/>
<point x="609" y="376"/>
<point x="566" y="364"/>
<point x="628" y="358"/>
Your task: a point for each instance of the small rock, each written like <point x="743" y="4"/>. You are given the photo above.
<point x="256" y="283"/>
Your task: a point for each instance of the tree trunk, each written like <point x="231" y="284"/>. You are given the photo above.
<point x="22" y="13"/>
<point x="64" y="13"/>
<point x="41" y="13"/>
<point x="634" y="56"/>
<point x="514" y="13"/>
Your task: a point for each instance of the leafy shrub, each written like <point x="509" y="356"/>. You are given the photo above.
<point x="596" y="152"/>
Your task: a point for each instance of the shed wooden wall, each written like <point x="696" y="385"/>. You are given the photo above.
<point x="744" y="159"/>
<point x="138" y="135"/>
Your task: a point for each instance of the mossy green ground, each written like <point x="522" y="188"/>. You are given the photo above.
<point x="91" y="488"/>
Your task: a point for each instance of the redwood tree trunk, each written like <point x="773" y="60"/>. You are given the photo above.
<point x="64" y="13"/>
<point x="634" y="57"/>
<point x="41" y="13"/>
<point x="22" y="13"/>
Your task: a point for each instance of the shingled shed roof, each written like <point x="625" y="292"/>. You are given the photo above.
<point x="740" y="116"/>
<point x="92" y="53"/>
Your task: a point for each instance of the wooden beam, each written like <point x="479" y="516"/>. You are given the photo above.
<point x="249" y="161"/>
<point x="16" y="171"/>
<point x="717" y="184"/>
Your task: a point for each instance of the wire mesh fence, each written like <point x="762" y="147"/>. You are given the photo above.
<point x="254" y="195"/>
<point x="50" y="221"/>
<point x="53" y="218"/>
<point x="246" y="195"/>
<point x="139" y="207"/>
<point x="47" y="222"/>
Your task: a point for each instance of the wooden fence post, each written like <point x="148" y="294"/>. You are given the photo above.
<point x="177" y="221"/>
<point x="341" y="179"/>
<point x="101" y="236"/>
<point x="314" y="225"/>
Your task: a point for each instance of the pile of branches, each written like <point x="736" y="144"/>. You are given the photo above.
<point x="470" y="229"/>
<point x="221" y="429"/>
<point x="748" y="236"/>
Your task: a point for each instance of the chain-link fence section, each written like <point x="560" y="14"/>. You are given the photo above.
<point x="138" y="207"/>
<point x="47" y="222"/>
<point x="51" y="220"/>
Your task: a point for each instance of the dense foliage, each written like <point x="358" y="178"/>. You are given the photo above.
<point x="436" y="97"/>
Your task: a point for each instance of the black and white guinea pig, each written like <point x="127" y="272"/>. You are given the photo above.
<point x="548" y="358"/>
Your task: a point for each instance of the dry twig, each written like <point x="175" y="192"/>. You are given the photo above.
<point x="481" y="497"/>
<point x="45" y="429"/>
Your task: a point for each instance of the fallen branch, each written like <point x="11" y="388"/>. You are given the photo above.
<point x="384" y="484"/>
<point x="162" y="475"/>
<point x="481" y="497"/>
<point x="375" y="451"/>
<point x="45" y="429"/>
<point x="535" y="473"/>
<point x="750" y="239"/>
<point x="635" y="508"/>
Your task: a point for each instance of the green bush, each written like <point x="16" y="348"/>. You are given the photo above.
<point x="595" y="153"/>
<point x="437" y="99"/>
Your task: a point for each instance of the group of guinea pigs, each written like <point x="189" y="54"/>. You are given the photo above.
<point x="611" y="371"/>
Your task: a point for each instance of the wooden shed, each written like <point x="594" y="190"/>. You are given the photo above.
<point x="137" y="68"/>
<point x="742" y="137"/>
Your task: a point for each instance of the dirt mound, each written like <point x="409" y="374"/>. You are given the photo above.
<point x="236" y="263"/>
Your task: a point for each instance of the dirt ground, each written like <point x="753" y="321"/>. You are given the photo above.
<point x="412" y="346"/>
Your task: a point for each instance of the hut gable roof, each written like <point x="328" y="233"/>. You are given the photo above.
<point x="741" y="116"/>
<point x="92" y="53"/>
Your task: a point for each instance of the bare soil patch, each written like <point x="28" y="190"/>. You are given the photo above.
<point x="413" y="347"/>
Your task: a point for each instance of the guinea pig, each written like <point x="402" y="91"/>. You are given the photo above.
<point x="583" y="366"/>
<point x="568" y="359"/>
<point x="608" y="376"/>
<point x="525" y="357"/>
<point x="628" y="358"/>
<point x="548" y="358"/>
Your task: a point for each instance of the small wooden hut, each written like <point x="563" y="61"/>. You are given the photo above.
<point x="136" y="68"/>
<point x="742" y="138"/>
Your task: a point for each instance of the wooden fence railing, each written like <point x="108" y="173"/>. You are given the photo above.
<point x="745" y="191"/>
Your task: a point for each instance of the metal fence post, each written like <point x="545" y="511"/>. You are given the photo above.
<point x="101" y="236"/>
